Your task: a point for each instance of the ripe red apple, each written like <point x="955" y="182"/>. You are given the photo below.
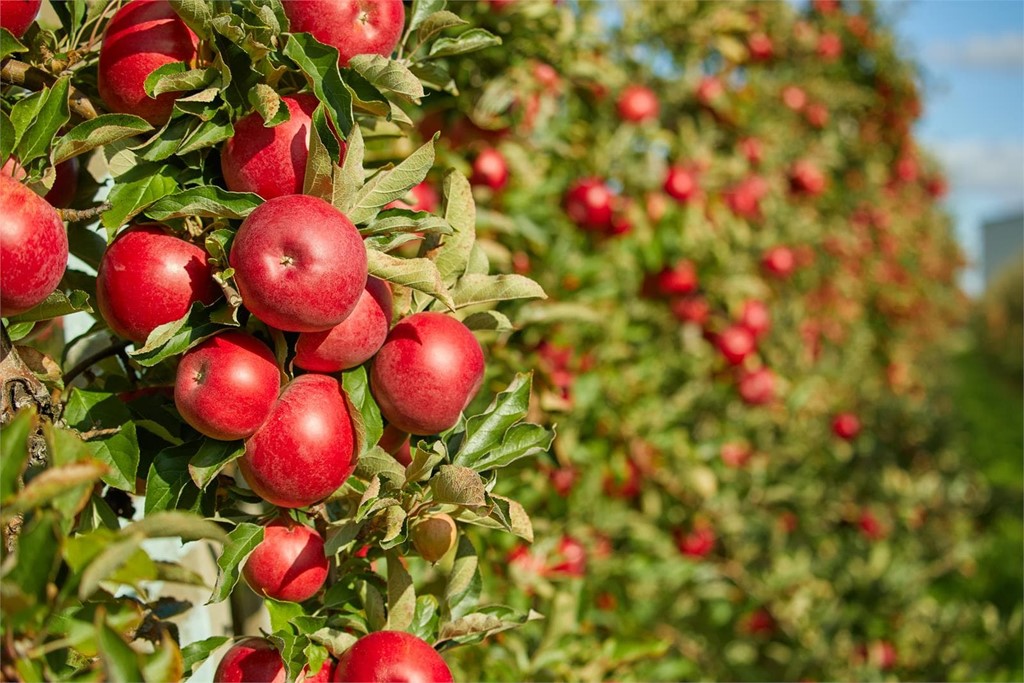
<point x="638" y="103"/>
<point x="392" y="656"/>
<point x="735" y="344"/>
<point x="752" y="149"/>
<point x="434" y="536"/>
<point x="679" y="280"/>
<point x="490" y="169"/>
<point x="18" y="15"/>
<point x="270" y="161"/>
<point x="33" y="248"/>
<point x="870" y="527"/>
<point x="288" y="564"/>
<point x="757" y="387"/>
<point x="806" y="178"/>
<point x="846" y="426"/>
<point x="681" y="183"/>
<point x="355" y="27"/>
<point x="830" y="47"/>
<point x="758" y="622"/>
<point x="589" y="203"/>
<point x="355" y="339"/>
<point x="424" y="198"/>
<point x="251" y="659"/>
<point x="227" y="385"/>
<point x="304" y="280"/>
<point x="760" y="47"/>
<point x="427" y="372"/>
<point x="691" y="309"/>
<point x="396" y="442"/>
<point x="709" y="90"/>
<point x="306" y="448"/>
<point x="735" y="454"/>
<point x="698" y="542"/>
<point x="755" y="317"/>
<point x="794" y="97"/>
<point x="148" y="277"/>
<point x="569" y="559"/>
<point x="779" y="261"/>
<point x="882" y="654"/>
<point x="547" y="77"/>
<point x="141" y="37"/>
<point x="65" y="183"/>
<point x="744" y="198"/>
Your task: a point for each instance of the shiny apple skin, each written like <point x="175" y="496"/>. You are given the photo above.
<point x="249" y="660"/>
<point x="306" y="448"/>
<point x="393" y="656"/>
<point x="148" y="277"/>
<point x="355" y="27"/>
<point x="589" y="203"/>
<point x="17" y="15"/>
<point x="141" y="37"/>
<point x="33" y="248"/>
<point x="637" y="104"/>
<point x="427" y="372"/>
<point x="227" y="385"/>
<point x="299" y="280"/>
<point x="288" y="564"/>
<point x="355" y="339"/>
<point x="270" y="161"/>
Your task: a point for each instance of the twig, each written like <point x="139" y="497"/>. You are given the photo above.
<point x="81" y="215"/>
<point x="91" y="360"/>
<point x="27" y="76"/>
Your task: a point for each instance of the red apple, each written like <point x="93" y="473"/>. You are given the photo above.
<point x="424" y="198"/>
<point x="752" y="149"/>
<point x="270" y="161"/>
<point x="882" y="654"/>
<point x="251" y="659"/>
<point x="355" y="339"/>
<point x="758" y="622"/>
<point x="427" y="372"/>
<point x="755" y="317"/>
<point x="830" y="47"/>
<point x="760" y="47"/>
<point x="33" y="248"/>
<point x="638" y="103"/>
<point x="490" y="169"/>
<point x="589" y="203"/>
<point x="699" y="542"/>
<point x="396" y="442"/>
<point x="434" y="536"/>
<point x="305" y="280"/>
<point x="757" y="387"/>
<point x="306" y="448"/>
<point x="569" y="559"/>
<point x="18" y="15"/>
<point x="794" y="97"/>
<point x="710" y="90"/>
<point x="65" y="184"/>
<point x="846" y="426"/>
<point x="806" y="178"/>
<point x="681" y="183"/>
<point x="355" y="27"/>
<point x="735" y="454"/>
<point x="779" y="261"/>
<point x="393" y="656"/>
<point x="679" y="280"/>
<point x="141" y="37"/>
<point x="148" y="277"/>
<point x="744" y="198"/>
<point x="547" y="77"/>
<point x="870" y="527"/>
<point x="691" y="309"/>
<point x="735" y="344"/>
<point x="227" y="385"/>
<point x="288" y="564"/>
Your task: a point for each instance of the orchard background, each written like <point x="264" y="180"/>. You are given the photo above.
<point x="766" y="436"/>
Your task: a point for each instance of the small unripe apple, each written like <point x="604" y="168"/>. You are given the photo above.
<point x="424" y="198"/>
<point x="355" y="339"/>
<point x="288" y="564"/>
<point x="227" y="385"/>
<point x="427" y="372"/>
<point x="393" y="656"/>
<point x="270" y="161"/>
<point x="17" y="15"/>
<point x="33" y="248"/>
<point x="735" y="344"/>
<point x="355" y="27"/>
<point x="846" y="426"/>
<point x="490" y="169"/>
<point x="779" y="261"/>
<point x="589" y="203"/>
<point x="434" y="536"/>
<point x="757" y="387"/>
<point x="305" y="280"/>
<point x="306" y="448"/>
<point x="638" y="103"/>
<point x="251" y="659"/>
<point x="396" y="442"/>
<point x="141" y="37"/>
<point x="681" y="183"/>
<point x="755" y="317"/>
<point x="148" y="277"/>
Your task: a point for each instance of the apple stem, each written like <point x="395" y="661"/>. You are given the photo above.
<point x="81" y="215"/>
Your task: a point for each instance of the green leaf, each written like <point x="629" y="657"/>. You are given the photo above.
<point x="512" y="516"/>
<point x="424" y="620"/>
<point x="96" y="132"/>
<point x="357" y="388"/>
<point x="56" y="305"/>
<point x="388" y="186"/>
<point x="103" y="565"/>
<point x="242" y="540"/>
<point x="74" y="479"/>
<point x="348" y="179"/>
<point x="169" y="485"/>
<point x="199" y="651"/>
<point x="120" y="661"/>
<point x="171" y="524"/>
<point x="460" y="213"/>
<point x="8" y="137"/>
<point x="319" y="178"/>
<point x="486" y="430"/>
<point x="420" y="274"/>
<point x="488" y="320"/>
<point x="479" y="289"/>
<point x="437" y="22"/>
<point x="373" y="604"/>
<point x="472" y="40"/>
<point x="135" y="191"/>
<point x="319" y="63"/>
<point x="9" y="44"/>
<point x="197" y="14"/>
<point x="207" y="134"/>
<point x="211" y="458"/>
<point x="402" y="220"/>
<point x="421" y="9"/>
<point x="88" y="246"/>
<point x="36" y="558"/>
<point x="14" y="449"/>
<point x="91" y="410"/>
<point x="179" y="336"/>
<point x="282" y="614"/>
<point x="177" y="77"/>
<point x="340" y="536"/>
<point x="366" y="96"/>
<point x="435" y="75"/>
<point x="390" y="75"/>
<point x="474" y="627"/>
<point x="208" y="201"/>
<point x="401" y="594"/>
<point x="424" y="460"/>
<point x="51" y="116"/>
<point x="462" y="591"/>
<point x="457" y="485"/>
<point x="165" y="662"/>
<point x="267" y="102"/>
<point x="26" y="111"/>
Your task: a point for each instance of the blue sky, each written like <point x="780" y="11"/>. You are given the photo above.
<point x="971" y="53"/>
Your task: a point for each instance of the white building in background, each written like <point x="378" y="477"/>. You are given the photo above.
<point x="1002" y="243"/>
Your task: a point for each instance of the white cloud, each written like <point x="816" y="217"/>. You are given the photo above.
<point x="991" y="166"/>
<point x="1004" y="51"/>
